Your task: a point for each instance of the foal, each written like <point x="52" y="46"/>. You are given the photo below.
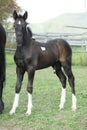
<point x="31" y="55"/>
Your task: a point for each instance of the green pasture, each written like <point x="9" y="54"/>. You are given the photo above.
<point x="79" y="59"/>
<point x="46" y="97"/>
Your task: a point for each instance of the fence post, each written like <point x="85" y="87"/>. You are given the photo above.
<point x="86" y="45"/>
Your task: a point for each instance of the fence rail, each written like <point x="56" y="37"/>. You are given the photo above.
<point x="75" y="40"/>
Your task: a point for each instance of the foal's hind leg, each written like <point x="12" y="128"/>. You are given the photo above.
<point x="62" y="78"/>
<point x="68" y="71"/>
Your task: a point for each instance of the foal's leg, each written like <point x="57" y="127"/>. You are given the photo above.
<point x="20" y="74"/>
<point x="31" y="73"/>
<point x="68" y="71"/>
<point x="62" y="78"/>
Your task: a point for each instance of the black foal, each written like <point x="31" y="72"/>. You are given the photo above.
<point x="31" y="55"/>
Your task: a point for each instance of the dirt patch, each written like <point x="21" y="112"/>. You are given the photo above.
<point x="14" y="128"/>
<point x="3" y="128"/>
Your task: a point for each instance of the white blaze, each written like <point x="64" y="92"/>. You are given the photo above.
<point x="43" y="48"/>
<point x="19" y="22"/>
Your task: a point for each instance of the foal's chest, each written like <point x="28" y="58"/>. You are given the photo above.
<point x="21" y="58"/>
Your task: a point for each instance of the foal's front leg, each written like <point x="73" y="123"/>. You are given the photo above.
<point x="31" y="73"/>
<point x="20" y="74"/>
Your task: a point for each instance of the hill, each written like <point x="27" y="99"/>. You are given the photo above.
<point x="59" y="23"/>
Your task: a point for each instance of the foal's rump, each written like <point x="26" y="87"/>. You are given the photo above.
<point x="65" y="52"/>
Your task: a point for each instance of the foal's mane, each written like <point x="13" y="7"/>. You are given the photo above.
<point x="29" y="30"/>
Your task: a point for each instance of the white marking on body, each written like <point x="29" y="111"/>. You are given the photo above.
<point x="73" y="102"/>
<point x="62" y="100"/>
<point x="19" y="22"/>
<point x="15" y="104"/>
<point x="29" y="107"/>
<point x="43" y="48"/>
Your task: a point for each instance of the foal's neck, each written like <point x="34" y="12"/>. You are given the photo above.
<point x="26" y="39"/>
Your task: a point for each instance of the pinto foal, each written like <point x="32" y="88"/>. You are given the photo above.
<point x="32" y="55"/>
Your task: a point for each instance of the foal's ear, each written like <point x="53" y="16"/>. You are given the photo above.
<point x="15" y="14"/>
<point x="25" y="15"/>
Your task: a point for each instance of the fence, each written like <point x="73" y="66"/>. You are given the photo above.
<point x="78" y="42"/>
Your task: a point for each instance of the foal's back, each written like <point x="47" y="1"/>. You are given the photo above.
<point x="59" y="48"/>
<point x="49" y="53"/>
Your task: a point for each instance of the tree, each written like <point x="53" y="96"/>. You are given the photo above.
<point x="6" y="8"/>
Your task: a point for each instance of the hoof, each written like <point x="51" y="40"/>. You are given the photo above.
<point x="28" y="113"/>
<point x="11" y="112"/>
<point x="61" y="106"/>
<point x="74" y="109"/>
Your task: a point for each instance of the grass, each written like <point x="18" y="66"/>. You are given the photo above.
<point x="79" y="59"/>
<point x="46" y="97"/>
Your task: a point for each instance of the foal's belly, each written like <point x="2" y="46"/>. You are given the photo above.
<point x="46" y="61"/>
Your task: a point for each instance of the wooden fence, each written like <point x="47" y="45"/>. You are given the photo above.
<point x="78" y="42"/>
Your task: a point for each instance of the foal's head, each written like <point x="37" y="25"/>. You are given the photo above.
<point x="21" y="27"/>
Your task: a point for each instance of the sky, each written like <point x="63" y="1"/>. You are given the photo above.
<point x="43" y="10"/>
